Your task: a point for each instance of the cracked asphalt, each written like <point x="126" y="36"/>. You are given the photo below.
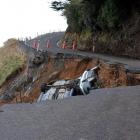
<point x="132" y="65"/>
<point x="105" y="114"/>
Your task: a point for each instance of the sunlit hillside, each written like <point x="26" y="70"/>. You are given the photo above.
<point x="10" y="59"/>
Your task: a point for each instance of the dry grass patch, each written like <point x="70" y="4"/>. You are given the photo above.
<point x="10" y="59"/>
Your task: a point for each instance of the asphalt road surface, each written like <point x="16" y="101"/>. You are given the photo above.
<point x="105" y="114"/>
<point x="126" y="61"/>
<point x="131" y="64"/>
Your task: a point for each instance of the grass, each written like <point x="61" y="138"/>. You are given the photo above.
<point x="86" y="35"/>
<point x="10" y="59"/>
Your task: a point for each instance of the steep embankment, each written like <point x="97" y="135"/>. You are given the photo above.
<point x="14" y="67"/>
<point x="109" y="74"/>
<point x="11" y="60"/>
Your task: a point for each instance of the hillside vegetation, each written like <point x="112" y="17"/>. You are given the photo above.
<point x="107" y="26"/>
<point x="95" y="14"/>
<point x="11" y="59"/>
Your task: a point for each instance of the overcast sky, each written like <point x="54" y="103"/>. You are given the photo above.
<point x="24" y="18"/>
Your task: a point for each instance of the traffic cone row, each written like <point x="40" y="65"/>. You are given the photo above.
<point x="36" y="45"/>
<point x="74" y="45"/>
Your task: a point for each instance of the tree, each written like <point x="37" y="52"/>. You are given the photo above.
<point x="94" y="15"/>
<point x="57" y="5"/>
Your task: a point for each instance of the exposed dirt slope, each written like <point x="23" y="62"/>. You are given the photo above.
<point x="110" y="75"/>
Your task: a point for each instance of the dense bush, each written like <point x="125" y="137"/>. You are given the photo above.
<point x="95" y="15"/>
<point x="108" y="15"/>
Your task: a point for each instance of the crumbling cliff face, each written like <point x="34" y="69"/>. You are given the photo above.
<point x="52" y="68"/>
<point x="46" y="68"/>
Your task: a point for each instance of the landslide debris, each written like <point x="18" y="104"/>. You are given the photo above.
<point x="51" y="69"/>
<point x="44" y="67"/>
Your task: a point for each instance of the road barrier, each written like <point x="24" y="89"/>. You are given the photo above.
<point x="48" y="44"/>
<point x="64" y="45"/>
<point x="34" y="44"/>
<point x="74" y="45"/>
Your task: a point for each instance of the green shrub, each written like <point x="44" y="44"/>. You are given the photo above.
<point x="109" y="15"/>
<point x="86" y="35"/>
<point x="104" y="38"/>
<point x="9" y="65"/>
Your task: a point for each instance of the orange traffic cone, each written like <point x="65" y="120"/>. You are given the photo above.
<point x="38" y="45"/>
<point x="48" y="44"/>
<point x="64" y="46"/>
<point x="34" y="44"/>
<point x="74" y="45"/>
